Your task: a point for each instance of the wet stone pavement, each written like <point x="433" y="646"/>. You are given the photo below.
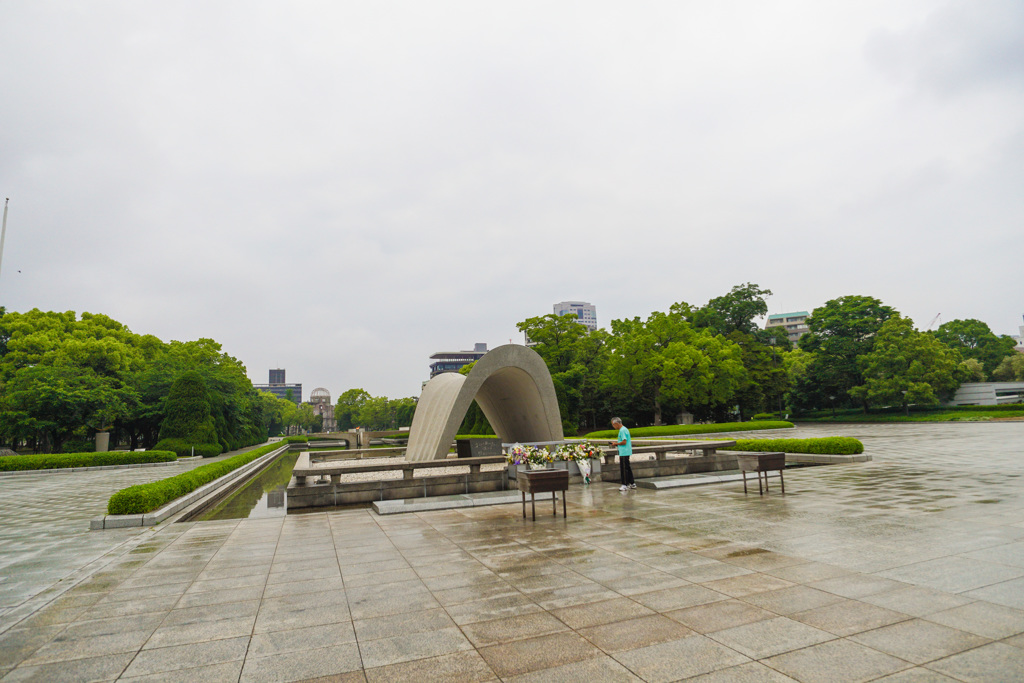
<point x="907" y="568"/>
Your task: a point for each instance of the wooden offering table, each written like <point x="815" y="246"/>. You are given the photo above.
<point x="761" y="463"/>
<point x="542" y="481"/>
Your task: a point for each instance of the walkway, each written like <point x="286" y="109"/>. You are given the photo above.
<point x="908" y="568"/>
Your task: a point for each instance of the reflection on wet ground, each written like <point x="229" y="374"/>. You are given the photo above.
<point x="907" y="568"/>
<point x="262" y="496"/>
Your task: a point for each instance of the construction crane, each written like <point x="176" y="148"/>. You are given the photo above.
<point x="934" y="320"/>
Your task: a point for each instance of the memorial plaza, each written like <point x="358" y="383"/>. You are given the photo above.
<point x="906" y="568"/>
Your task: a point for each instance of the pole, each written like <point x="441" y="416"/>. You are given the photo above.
<point x="3" y="232"/>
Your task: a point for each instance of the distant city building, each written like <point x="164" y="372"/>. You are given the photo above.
<point x="586" y="312"/>
<point x="453" y="361"/>
<point x="278" y="387"/>
<point x="320" y="399"/>
<point x="1020" y="340"/>
<point x="795" y="324"/>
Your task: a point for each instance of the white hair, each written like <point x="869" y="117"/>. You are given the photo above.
<point x="616" y="420"/>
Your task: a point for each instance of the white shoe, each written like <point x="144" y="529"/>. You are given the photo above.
<point x="632" y="486"/>
<point x="623" y="488"/>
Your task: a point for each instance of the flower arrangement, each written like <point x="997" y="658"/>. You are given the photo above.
<point x="579" y="453"/>
<point x="519" y="454"/>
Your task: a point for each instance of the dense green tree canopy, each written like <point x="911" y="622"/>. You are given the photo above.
<point x="735" y="311"/>
<point x="907" y="367"/>
<point x="839" y="333"/>
<point x="64" y="376"/>
<point x="974" y="339"/>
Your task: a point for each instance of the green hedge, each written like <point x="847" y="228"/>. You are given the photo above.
<point x="57" y="461"/>
<point x="185" y="449"/>
<point x="831" y="445"/>
<point x="676" y="430"/>
<point x="475" y="436"/>
<point x="979" y="414"/>
<point x="148" y="497"/>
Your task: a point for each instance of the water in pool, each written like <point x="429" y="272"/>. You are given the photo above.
<point x="262" y="496"/>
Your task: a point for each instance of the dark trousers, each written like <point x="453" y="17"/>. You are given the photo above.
<point x="625" y="471"/>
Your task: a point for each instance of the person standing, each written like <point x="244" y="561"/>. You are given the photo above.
<point x="625" y="445"/>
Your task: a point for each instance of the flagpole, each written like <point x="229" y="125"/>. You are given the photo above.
<point x="3" y="232"/>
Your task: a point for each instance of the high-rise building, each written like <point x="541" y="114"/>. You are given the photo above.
<point x="586" y="312"/>
<point x="795" y="324"/>
<point x="453" y="361"/>
<point x="278" y="387"/>
<point x="1020" y="340"/>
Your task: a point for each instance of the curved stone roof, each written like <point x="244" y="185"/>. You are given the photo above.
<point x="513" y="388"/>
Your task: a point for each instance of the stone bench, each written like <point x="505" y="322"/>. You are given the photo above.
<point x="304" y="468"/>
<point x="662" y="449"/>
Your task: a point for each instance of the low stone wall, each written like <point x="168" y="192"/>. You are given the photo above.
<point x="725" y="460"/>
<point x="672" y="467"/>
<point x="313" y="494"/>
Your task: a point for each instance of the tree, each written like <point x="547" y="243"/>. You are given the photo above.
<point x="575" y="356"/>
<point x="188" y="418"/>
<point x="346" y="412"/>
<point x="666" y="364"/>
<point x="839" y="332"/>
<point x="974" y="339"/>
<point x="1010" y="369"/>
<point x="907" y="367"/>
<point x="735" y="311"/>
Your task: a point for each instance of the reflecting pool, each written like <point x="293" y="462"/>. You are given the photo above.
<point x="262" y="496"/>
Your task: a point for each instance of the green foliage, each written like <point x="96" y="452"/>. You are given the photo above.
<point x="763" y="416"/>
<point x="1010" y="369"/>
<point x="357" y="408"/>
<point x="906" y="366"/>
<point x="735" y="311"/>
<point x="12" y="463"/>
<point x="682" y="430"/>
<point x="974" y="339"/>
<point x="831" y="445"/>
<point x="840" y="332"/>
<point x="63" y="377"/>
<point x="188" y="420"/>
<point x="973" y="370"/>
<point x="185" y="449"/>
<point x="144" y="498"/>
<point x="947" y="414"/>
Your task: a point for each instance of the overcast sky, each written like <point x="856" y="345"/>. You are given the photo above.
<point x="342" y="189"/>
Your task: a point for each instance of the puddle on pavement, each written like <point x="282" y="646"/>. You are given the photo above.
<point x="262" y="496"/>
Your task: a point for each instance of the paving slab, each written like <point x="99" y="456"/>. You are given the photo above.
<point x="904" y="568"/>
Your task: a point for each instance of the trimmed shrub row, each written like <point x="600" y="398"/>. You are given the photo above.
<point x="675" y="430"/>
<point x="944" y="416"/>
<point x="143" y="498"/>
<point x="185" y="449"/>
<point x="57" y="461"/>
<point x="831" y="445"/>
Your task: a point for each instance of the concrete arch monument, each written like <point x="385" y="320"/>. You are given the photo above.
<point x="513" y="387"/>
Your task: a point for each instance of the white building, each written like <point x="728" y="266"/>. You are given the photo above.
<point x="1020" y="340"/>
<point x="586" y="312"/>
<point x="795" y="324"/>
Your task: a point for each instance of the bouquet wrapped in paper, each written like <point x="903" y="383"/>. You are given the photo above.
<point x="579" y="453"/>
